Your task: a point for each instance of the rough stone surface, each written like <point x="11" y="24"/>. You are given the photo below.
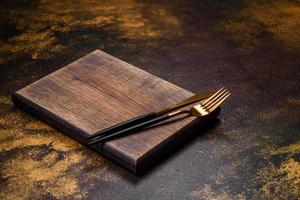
<point x="251" y="47"/>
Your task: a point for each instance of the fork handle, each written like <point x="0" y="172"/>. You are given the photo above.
<point x="124" y="125"/>
<point x="130" y="129"/>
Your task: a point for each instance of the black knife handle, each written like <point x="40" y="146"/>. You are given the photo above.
<point x="128" y="130"/>
<point x="124" y="125"/>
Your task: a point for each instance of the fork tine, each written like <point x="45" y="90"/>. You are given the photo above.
<point x="219" y="102"/>
<point x="213" y="96"/>
<point x="216" y="100"/>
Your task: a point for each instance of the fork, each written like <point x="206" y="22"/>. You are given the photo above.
<point x="200" y="110"/>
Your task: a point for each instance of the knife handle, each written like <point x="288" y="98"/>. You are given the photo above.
<point x="130" y="129"/>
<point x="124" y="125"/>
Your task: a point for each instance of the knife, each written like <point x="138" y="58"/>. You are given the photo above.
<point x="152" y="115"/>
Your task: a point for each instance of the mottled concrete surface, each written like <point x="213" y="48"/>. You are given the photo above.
<point x="251" y="47"/>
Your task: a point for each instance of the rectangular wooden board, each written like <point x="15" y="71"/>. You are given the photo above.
<point x="98" y="91"/>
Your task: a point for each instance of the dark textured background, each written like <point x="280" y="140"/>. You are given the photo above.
<point x="251" y="47"/>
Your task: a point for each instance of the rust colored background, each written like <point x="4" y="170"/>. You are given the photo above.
<point x="251" y="47"/>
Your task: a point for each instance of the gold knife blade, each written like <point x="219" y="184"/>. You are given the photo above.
<point x="193" y="99"/>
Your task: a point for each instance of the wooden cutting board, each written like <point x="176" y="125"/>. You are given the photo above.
<point x="98" y="91"/>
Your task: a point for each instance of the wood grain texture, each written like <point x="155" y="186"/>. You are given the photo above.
<point x="98" y="91"/>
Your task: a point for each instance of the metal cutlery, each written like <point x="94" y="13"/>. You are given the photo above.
<point x="199" y="110"/>
<point x="152" y="115"/>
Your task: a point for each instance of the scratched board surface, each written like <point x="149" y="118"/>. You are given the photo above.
<point x="251" y="47"/>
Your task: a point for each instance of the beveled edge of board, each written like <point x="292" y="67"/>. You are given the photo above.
<point x="49" y="118"/>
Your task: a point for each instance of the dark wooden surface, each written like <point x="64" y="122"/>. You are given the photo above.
<point x="98" y="91"/>
<point x="251" y="47"/>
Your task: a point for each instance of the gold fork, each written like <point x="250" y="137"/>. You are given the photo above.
<point x="199" y="110"/>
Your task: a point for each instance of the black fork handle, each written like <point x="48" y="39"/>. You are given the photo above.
<point x="124" y="125"/>
<point x="131" y="129"/>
